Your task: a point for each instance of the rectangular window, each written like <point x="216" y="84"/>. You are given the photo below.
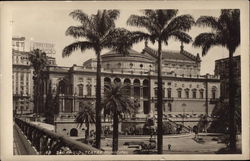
<point x="21" y="76"/>
<point x="179" y="94"/>
<point x="187" y="93"/>
<point x="194" y="94"/>
<point x="201" y="95"/>
<point x="169" y="93"/>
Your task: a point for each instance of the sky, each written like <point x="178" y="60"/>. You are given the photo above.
<point x="48" y="25"/>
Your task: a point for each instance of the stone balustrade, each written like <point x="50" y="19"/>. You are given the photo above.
<point x="47" y="142"/>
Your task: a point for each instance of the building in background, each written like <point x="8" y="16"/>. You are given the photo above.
<point x="184" y="89"/>
<point x="18" y="43"/>
<point x="22" y="77"/>
<point x="222" y="70"/>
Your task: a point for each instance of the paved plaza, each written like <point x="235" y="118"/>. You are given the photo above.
<point x="183" y="144"/>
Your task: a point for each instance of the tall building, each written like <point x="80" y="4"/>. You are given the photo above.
<point x="22" y="83"/>
<point x="222" y="70"/>
<point x="22" y="77"/>
<point x="184" y="89"/>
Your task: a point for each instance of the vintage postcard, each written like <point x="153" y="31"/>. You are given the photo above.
<point x="135" y="80"/>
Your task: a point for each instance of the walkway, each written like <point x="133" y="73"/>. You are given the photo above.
<point x="18" y="147"/>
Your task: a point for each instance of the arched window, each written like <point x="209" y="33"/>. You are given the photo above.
<point x="89" y="92"/>
<point x="73" y="132"/>
<point x="201" y="93"/>
<point x="214" y="92"/>
<point x="145" y="88"/>
<point x="187" y="92"/>
<point x="194" y="93"/>
<point x="137" y="90"/>
<point x="179" y="91"/>
<point x="169" y="92"/>
<point x="117" y="80"/>
<point x="80" y="88"/>
<point x="62" y="87"/>
<point x="127" y="84"/>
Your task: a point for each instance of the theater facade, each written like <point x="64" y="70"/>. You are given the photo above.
<point x="185" y="91"/>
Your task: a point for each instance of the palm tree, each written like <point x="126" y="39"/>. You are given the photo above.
<point x="96" y="31"/>
<point x="87" y="116"/>
<point x="116" y="104"/>
<point x="161" y="26"/>
<point x="38" y="61"/>
<point x="225" y="33"/>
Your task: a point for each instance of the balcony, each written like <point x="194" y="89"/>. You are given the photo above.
<point x="167" y="99"/>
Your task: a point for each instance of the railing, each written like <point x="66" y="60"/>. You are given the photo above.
<point x="184" y="128"/>
<point x="47" y="142"/>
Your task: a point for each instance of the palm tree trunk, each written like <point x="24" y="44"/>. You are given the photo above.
<point x="159" y="103"/>
<point x="98" y="101"/>
<point x="87" y="132"/>
<point x="115" y="132"/>
<point x="232" y="130"/>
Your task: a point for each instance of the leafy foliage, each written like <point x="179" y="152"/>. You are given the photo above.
<point x="221" y="115"/>
<point x="116" y="104"/>
<point x="38" y="61"/>
<point x="86" y="115"/>
<point x="225" y="31"/>
<point x="115" y="99"/>
<point x="162" y="25"/>
<point x="95" y="29"/>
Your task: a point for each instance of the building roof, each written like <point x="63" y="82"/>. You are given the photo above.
<point x="171" y="54"/>
<point x="132" y="56"/>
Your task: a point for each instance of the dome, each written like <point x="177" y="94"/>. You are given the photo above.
<point x="133" y="56"/>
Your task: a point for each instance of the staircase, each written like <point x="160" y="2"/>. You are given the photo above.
<point x="174" y="124"/>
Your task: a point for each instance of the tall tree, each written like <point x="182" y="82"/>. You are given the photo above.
<point x="225" y="33"/>
<point x="49" y="111"/>
<point x="116" y="104"/>
<point x="38" y="61"/>
<point x="86" y="115"/>
<point x="161" y="25"/>
<point x="96" y="31"/>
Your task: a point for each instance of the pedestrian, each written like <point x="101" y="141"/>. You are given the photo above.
<point x="169" y="147"/>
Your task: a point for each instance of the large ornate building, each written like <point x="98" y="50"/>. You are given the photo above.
<point x="184" y="89"/>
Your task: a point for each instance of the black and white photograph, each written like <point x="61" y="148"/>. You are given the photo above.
<point x="141" y="80"/>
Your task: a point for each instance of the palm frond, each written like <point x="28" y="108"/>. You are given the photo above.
<point x="180" y="23"/>
<point x="230" y="19"/>
<point x="113" y="14"/>
<point x="80" y="16"/>
<point x="208" y="21"/>
<point x="82" y="45"/>
<point x="181" y="36"/>
<point x="164" y="16"/>
<point x="76" y="31"/>
<point x="206" y="41"/>
<point x="115" y="99"/>
<point x="143" y="21"/>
